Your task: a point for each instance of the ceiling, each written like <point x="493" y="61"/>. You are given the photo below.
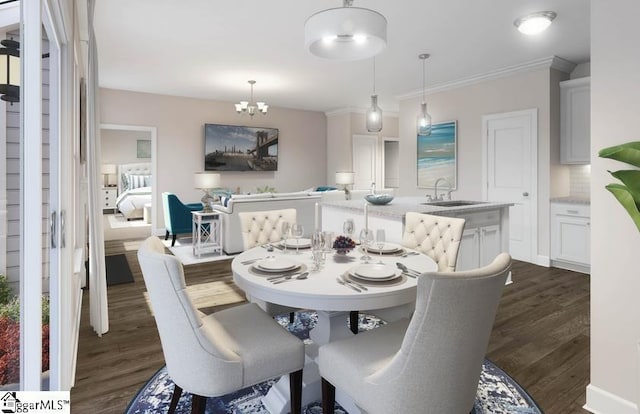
<point x="210" y="49"/>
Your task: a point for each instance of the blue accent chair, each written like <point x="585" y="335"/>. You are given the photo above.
<point x="177" y="216"/>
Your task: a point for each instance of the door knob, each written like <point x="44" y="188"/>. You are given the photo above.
<point x="526" y="194"/>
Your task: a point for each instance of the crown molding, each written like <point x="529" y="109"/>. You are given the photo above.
<point x="362" y="111"/>
<point x="552" y="62"/>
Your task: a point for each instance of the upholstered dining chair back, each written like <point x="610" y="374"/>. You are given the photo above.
<point x="261" y="227"/>
<point x="213" y="355"/>
<point x="432" y="363"/>
<point x="436" y="236"/>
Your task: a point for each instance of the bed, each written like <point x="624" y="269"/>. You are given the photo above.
<point x="134" y="189"/>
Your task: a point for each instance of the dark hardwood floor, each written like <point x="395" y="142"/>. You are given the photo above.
<point x="540" y="336"/>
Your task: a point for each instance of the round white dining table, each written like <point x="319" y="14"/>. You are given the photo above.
<point x="321" y="292"/>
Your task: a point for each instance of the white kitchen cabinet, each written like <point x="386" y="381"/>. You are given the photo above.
<point x="575" y="120"/>
<point x="481" y="240"/>
<point x="571" y="236"/>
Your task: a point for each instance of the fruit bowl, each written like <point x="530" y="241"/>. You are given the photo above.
<point x="378" y="199"/>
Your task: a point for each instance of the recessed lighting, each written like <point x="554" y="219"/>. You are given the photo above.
<point x="534" y="23"/>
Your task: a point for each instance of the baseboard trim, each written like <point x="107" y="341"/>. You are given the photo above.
<point x="542" y="261"/>
<point x="571" y="266"/>
<point x="600" y="401"/>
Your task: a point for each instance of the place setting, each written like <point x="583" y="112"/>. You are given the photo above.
<point x="365" y="275"/>
<point x="278" y="269"/>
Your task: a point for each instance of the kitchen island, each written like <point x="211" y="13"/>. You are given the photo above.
<point x="486" y="231"/>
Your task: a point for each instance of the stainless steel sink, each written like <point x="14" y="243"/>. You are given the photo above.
<point x="452" y="203"/>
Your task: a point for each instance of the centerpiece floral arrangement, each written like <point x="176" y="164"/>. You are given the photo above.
<point x="10" y="334"/>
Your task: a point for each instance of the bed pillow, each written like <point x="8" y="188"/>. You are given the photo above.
<point x="138" y="180"/>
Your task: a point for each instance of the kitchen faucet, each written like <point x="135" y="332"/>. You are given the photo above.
<point x="435" y="190"/>
<point x="373" y="188"/>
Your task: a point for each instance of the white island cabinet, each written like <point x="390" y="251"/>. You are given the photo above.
<point x="486" y="232"/>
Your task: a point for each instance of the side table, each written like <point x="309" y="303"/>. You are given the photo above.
<point x="207" y="233"/>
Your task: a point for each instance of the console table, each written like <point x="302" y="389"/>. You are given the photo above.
<point x="207" y="233"/>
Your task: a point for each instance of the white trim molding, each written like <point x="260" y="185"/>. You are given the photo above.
<point x="600" y="401"/>
<point x="552" y="62"/>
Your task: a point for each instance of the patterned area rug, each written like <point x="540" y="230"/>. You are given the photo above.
<point x="497" y="392"/>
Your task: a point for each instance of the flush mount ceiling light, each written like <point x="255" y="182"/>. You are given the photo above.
<point x="346" y="33"/>
<point x="534" y="23"/>
<point x="423" y="124"/>
<point x="251" y="107"/>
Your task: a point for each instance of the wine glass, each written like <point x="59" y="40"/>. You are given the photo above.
<point x="285" y="228"/>
<point x="348" y="227"/>
<point x="366" y="238"/>
<point x="380" y="239"/>
<point x="297" y="230"/>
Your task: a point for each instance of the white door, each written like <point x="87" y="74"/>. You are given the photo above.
<point x="365" y="155"/>
<point x="510" y="159"/>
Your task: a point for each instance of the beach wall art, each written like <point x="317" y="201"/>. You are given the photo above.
<point x="240" y="148"/>
<point x="436" y="156"/>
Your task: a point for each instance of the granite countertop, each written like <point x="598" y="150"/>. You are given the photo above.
<point x="571" y="200"/>
<point x="400" y="206"/>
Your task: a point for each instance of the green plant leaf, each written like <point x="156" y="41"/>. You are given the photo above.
<point x="628" y="152"/>
<point x="631" y="179"/>
<point x="626" y="199"/>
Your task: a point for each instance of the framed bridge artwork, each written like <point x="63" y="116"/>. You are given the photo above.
<point x="240" y="148"/>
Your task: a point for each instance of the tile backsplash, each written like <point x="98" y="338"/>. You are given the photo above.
<point x="580" y="180"/>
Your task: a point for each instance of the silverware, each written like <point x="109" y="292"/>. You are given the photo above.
<point x="409" y="254"/>
<point x="301" y="276"/>
<point x="246" y="262"/>
<point x="342" y="282"/>
<point x="285" y="275"/>
<point x="407" y="271"/>
<point x="268" y="247"/>
<point x="354" y="283"/>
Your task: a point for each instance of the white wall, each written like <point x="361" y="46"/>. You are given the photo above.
<point x="467" y="105"/>
<point x="120" y="147"/>
<point x="341" y="127"/>
<point x="615" y="241"/>
<point x="302" y="156"/>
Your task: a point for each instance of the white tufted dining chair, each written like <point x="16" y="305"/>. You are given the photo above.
<point x="428" y="364"/>
<point x="262" y="227"/>
<point x="436" y="236"/>
<point x="210" y="356"/>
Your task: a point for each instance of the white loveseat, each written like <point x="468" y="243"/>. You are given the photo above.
<point x="304" y="202"/>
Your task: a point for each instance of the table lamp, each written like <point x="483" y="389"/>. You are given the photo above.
<point x="207" y="182"/>
<point x="345" y="179"/>
<point x="107" y="170"/>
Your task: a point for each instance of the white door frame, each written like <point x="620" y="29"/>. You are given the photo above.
<point x="154" y="162"/>
<point x="533" y="193"/>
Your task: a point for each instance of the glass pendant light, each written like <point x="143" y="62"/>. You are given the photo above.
<point x="424" y="119"/>
<point x="374" y="113"/>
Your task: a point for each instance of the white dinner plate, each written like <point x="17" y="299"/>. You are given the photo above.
<point x="276" y="264"/>
<point x="375" y="272"/>
<point x="386" y="248"/>
<point x="300" y="243"/>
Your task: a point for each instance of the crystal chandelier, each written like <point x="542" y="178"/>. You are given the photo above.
<point x="251" y="107"/>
